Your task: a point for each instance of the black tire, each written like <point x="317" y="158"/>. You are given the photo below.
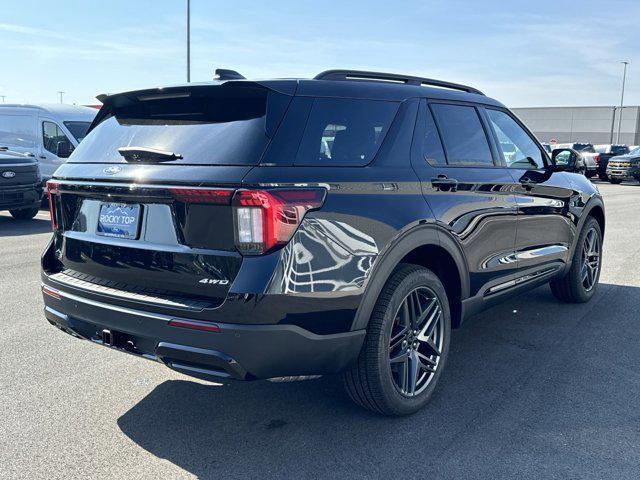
<point x="615" y="181"/>
<point x="603" y="177"/>
<point x="571" y="287"/>
<point x="373" y="381"/>
<point x="589" y="174"/>
<point x="24" y="214"/>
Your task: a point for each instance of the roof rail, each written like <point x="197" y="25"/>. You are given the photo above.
<point x="357" y="75"/>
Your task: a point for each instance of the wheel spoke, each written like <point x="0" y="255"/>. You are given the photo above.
<point x="431" y="347"/>
<point x="583" y="272"/>
<point x="399" y="357"/>
<point x="427" y="362"/>
<point x="431" y="323"/>
<point x="397" y="339"/>
<point x="413" y="371"/>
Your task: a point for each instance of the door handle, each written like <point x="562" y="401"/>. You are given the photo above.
<point x="42" y="157"/>
<point x="527" y="183"/>
<point x="442" y="182"/>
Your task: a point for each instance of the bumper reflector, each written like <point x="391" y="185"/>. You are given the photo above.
<point x="52" y="292"/>
<point x="195" y="325"/>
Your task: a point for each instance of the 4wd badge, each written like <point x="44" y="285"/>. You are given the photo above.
<point x="213" y="281"/>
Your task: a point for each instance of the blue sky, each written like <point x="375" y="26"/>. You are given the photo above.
<point x="525" y="53"/>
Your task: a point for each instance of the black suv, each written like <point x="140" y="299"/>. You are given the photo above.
<point x="20" y="184"/>
<point x="283" y="229"/>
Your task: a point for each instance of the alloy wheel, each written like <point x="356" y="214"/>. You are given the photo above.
<point x="590" y="259"/>
<point x="415" y="342"/>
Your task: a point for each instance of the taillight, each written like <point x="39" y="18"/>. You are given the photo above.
<point x="596" y="158"/>
<point x="52" y="194"/>
<point x="218" y="196"/>
<point x="265" y="219"/>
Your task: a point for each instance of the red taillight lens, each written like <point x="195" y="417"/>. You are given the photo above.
<point x="52" y="194"/>
<point x="219" y="196"/>
<point x="596" y="158"/>
<point x="265" y="219"/>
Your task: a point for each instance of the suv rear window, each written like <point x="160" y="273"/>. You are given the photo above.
<point x="464" y="138"/>
<point x="344" y="132"/>
<point x="212" y="125"/>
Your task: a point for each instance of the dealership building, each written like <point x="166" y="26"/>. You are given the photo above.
<point x="583" y="124"/>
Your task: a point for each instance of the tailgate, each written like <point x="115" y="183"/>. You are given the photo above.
<point x="166" y="243"/>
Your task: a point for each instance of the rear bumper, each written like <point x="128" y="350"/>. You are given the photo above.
<point x="242" y="352"/>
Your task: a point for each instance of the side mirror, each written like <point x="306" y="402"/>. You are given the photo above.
<point x="64" y="149"/>
<point x="564" y="159"/>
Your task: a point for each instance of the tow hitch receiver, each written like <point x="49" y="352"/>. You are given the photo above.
<point x="107" y="337"/>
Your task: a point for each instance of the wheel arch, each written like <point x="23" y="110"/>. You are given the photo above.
<point x="426" y="245"/>
<point x="594" y="208"/>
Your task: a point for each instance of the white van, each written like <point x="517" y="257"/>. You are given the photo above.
<point x="48" y="131"/>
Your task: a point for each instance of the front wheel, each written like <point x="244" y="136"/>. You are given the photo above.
<point x="579" y="284"/>
<point x="615" y="181"/>
<point x="24" y="214"/>
<point x="406" y="345"/>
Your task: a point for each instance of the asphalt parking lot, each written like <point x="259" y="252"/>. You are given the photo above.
<point x="533" y="389"/>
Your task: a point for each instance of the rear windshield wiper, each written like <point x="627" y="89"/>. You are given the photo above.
<point x="142" y="154"/>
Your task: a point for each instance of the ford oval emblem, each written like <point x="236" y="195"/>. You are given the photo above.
<point x="111" y="170"/>
<point x="8" y="174"/>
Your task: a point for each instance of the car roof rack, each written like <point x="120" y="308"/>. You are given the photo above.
<point x="357" y="75"/>
<point x="225" y="74"/>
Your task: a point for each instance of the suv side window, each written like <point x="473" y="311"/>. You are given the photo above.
<point x="51" y="135"/>
<point x="344" y="132"/>
<point x="463" y="135"/>
<point x="431" y="145"/>
<point x="518" y="148"/>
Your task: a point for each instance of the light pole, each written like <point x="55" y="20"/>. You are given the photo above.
<point x="61" y="93"/>
<point x="624" y="78"/>
<point x="188" y="41"/>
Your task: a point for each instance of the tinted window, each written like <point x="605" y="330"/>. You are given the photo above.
<point x="52" y="134"/>
<point x="464" y="139"/>
<point x="221" y="125"/>
<point x="518" y="148"/>
<point x="432" y="150"/>
<point x="344" y="132"/>
<point x="584" y="147"/>
<point x="78" y="129"/>
<point x="619" y="150"/>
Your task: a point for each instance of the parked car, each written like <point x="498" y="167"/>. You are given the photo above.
<point x="587" y="152"/>
<point x="48" y="131"/>
<point x="341" y="224"/>
<point x="604" y="153"/>
<point x="20" y="184"/>
<point x="624" y="167"/>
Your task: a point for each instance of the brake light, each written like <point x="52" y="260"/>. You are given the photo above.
<point x="52" y="191"/>
<point x="265" y="219"/>
<point x="218" y="196"/>
<point x="596" y="158"/>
